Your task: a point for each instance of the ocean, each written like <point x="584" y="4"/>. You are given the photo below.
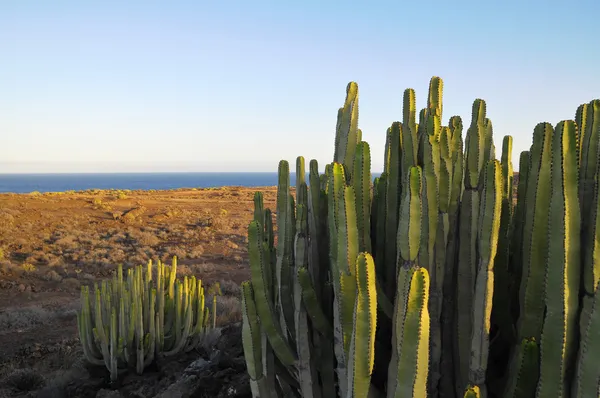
<point x="25" y="183"/>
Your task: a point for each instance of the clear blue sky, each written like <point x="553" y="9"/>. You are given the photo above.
<point x="237" y="85"/>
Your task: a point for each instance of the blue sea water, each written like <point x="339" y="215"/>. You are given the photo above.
<point x="24" y="183"/>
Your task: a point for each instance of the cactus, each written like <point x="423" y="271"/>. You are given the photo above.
<point x="559" y="335"/>
<point x="428" y="280"/>
<point x="137" y="320"/>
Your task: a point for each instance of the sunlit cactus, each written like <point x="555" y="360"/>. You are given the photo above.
<point x="132" y="321"/>
<point x="429" y="280"/>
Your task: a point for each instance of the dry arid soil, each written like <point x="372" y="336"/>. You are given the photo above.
<point x="51" y="244"/>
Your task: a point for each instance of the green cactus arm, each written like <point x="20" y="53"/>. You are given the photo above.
<point x="523" y="370"/>
<point x="114" y="372"/>
<point x="347" y="254"/>
<point x="307" y="373"/>
<point x="313" y="307"/>
<point x="339" y="147"/>
<point x="284" y="274"/>
<point x="315" y="224"/>
<point x="587" y="376"/>
<point x="392" y="205"/>
<point x="448" y="305"/>
<point x="335" y="187"/>
<point x="259" y="209"/>
<point x="264" y="306"/>
<point x="413" y="351"/>
<point x="489" y="229"/>
<point x="581" y="120"/>
<point x="347" y="129"/>
<point x="591" y="251"/>
<point x="100" y="329"/>
<point x="516" y="245"/>
<point x="151" y="348"/>
<point x="589" y="194"/>
<point x="214" y="312"/>
<point x="501" y="319"/>
<point x="431" y="174"/>
<point x="434" y="102"/>
<point x="507" y="167"/>
<point x="473" y="392"/>
<point x="380" y="227"/>
<point x="300" y="175"/>
<point x="475" y="144"/>
<point x="589" y="130"/>
<point x="383" y="302"/>
<point x="489" y="149"/>
<point x="465" y="277"/>
<point x="86" y="335"/>
<point x="405" y="274"/>
<point x="409" y="229"/>
<point x="446" y="172"/>
<point x="563" y="268"/>
<point x="251" y="342"/>
<point x="362" y="188"/>
<point x="535" y="235"/>
<point x="362" y="353"/>
<point x="410" y="143"/>
<point x="350" y="126"/>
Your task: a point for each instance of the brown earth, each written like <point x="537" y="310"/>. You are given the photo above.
<point x="52" y="244"/>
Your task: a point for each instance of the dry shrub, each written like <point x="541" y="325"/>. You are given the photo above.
<point x="24" y="380"/>
<point x="209" y="339"/>
<point x="28" y="268"/>
<point x="197" y="251"/>
<point x="230" y="288"/>
<point x="23" y="317"/>
<point x="146" y="238"/>
<point x="52" y="276"/>
<point x="229" y="309"/>
<point x="71" y="283"/>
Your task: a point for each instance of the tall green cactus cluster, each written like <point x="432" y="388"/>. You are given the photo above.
<point x="133" y="320"/>
<point x="429" y="280"/>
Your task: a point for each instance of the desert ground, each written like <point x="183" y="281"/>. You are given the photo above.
<point x="53" y="243"/>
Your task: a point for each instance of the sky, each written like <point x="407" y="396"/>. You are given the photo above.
<point x="123" y="86"/>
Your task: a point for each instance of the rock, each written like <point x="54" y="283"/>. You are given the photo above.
<point x="104" y="393"/>
<point x="197" y="366"/>
<point x="182" y="388"/>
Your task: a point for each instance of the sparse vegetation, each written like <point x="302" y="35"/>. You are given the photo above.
<point x="55" y="243"/>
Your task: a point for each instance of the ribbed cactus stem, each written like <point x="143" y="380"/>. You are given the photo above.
<point x="589" y="125"/>
<point x="362" y="347"/>
<point x="516" y="245"/>
<point x="524" y="368"/>
<point x="562" y="280"/>
<point x="535" y="235"/>
<point x="412" y="333"/>
<point x="489" y="230"/>
<point x="410" y="142"/>
<point x="347" y="130"/>
<point x="362" y="189"/>
<point x="264" y="306"/>
<point x="251" y="341"/>
<point x="409" y="242"/>
<point x="473" y="392"/>
<point x="467" y="249"/>
<point x="587" y="376"/>
<point x="392" y="197"/>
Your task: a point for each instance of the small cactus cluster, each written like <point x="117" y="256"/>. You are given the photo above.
<point x="131" y="321"/>
<point x="429" y="280"/>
